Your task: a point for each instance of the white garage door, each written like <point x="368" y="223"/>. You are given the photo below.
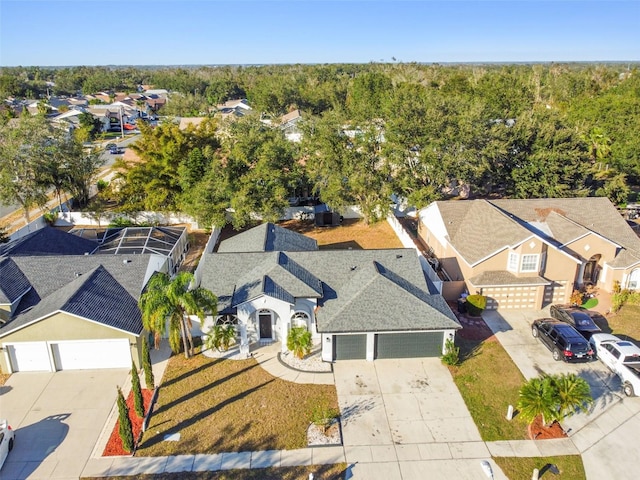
<point x="86" y="354"/>
<point x="29" y="356"/>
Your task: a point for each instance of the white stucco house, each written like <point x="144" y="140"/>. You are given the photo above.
<point x="359" y="304"/>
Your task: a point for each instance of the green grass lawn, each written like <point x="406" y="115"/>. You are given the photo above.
<point x="489" y="382"/>
<point x="519" y="468"/>
<point x="320" y="472"/>
<point x="626" y="322"/>
<point x="219" y="405"/>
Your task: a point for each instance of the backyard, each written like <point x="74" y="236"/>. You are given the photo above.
<point x="218" y="405"/>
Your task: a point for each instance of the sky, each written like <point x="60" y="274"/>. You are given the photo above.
<point x="213" y="32"/>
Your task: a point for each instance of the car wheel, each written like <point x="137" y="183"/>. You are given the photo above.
<point x="627" y="388"/>
<point x="11" y="442"/>
<point x="557" y="356"/>
<point x="534" y="332"/>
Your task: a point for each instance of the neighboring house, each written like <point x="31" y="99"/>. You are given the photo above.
<point x="64" y="306"/>
<point x="234" y="108"/>
<point x="289" y="125"/>
<point x="532" y="252"/>
<point x="359" y="304"/>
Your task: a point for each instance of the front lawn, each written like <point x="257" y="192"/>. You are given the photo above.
<point x="320" y="472"/>
<point x="626" y="322"/>
<point x="489" y="381"/>
<point x="570" y="467"/>
<point x="219" y="405"/>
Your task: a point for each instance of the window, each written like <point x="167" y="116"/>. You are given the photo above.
<point x="529" y="263"/>
<point x="228" y="319"/>
<point x="512" y="263"/>
<point x="300" y="319"/>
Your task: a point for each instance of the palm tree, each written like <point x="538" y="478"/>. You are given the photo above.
<point x="572" y="393"/>
<point x="537" y="398"/>
<point x="221" y="337"/>
<point x="299" y="341"/>
<point x="170" y="301"/>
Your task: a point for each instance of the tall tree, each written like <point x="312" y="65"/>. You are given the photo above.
<point x="138" y="400"/>
<point x="170" y="302"/>
<point x="125" y="430"/>
<point x="146" y="365"/>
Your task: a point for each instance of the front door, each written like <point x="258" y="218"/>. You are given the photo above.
<point x="264" y="319"/>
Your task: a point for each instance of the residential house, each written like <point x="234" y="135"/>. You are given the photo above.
<point x="289" y="125"/>
<point x="68" y="302"/>
<point x="233" y="108"/>
<point x="528" y="253"/>
<point x="358" y="304"/>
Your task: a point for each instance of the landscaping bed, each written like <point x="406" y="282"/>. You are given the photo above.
<point x="114" y="445"/>
<point x="219" y="405"/>
<point x="320" y="472"/>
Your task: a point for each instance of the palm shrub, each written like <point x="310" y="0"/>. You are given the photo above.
<point x="451" y="355"/>
<point x="573" y="393"/>
<point x="146" y="365"/>
<point x="221" y="337"/>
<point x="323" y="414"/>
<point x="299" y="341"/>
<point x="476" y="304"/>
<point x="125" y="429"/>
<point x="138" y="401"/>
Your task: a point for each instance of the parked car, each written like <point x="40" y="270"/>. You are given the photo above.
<point x="622" y="357"/>
<point x="7" y="439"/>
<point x="564" y="341"/>
<point x="579" y="318"/>
<point x="110" y="146"/>
<point x="116" y="150"/>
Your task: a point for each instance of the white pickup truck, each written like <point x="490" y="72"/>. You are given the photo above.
<point x="622" y="357"/>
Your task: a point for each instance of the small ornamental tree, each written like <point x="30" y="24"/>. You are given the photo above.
<point x="125" y="430"/>
<point x="451" y="355"/>
<point x="146" y="365"/>
<point x="299" y="341"/>
<point x="221" y="337"/>
<point x="138" y="401"/>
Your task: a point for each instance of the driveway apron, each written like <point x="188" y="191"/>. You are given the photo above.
<point x="58" y="418"/>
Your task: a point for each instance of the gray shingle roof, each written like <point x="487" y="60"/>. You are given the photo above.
<point x="13" y="283"/>
<point x="478" y="228"/>
<point x="95" y="295"/>
<point x="268" y="237"/>
<point x="502" y="277"/>
<point x="362" y="290"/>
<point x="48" y="241"/>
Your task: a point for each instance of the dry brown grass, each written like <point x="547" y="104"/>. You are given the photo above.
<point x="229" y="406"/>
<point x="320" y="472"/>
<point x="352" y="233"/>
<point x="4" y="377"/>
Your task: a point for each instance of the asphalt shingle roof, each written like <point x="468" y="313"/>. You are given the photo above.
<point x="361" y="290"/>
<point x="48" y="241"/>
<point x="95" y="295"/>
<point x="268" y="237"/>
<point x="502" y="277"/>
<point x="13" y="283"/>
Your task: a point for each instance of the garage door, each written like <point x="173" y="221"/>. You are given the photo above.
<point x="349" y="347"/>
<point x="86" y="354"/>
<point x="409" y="345"/>
<point x="29" y="356"/>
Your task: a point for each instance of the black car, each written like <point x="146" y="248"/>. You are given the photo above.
<point x="116" y="150"/>
<point x="577" y="317"/>
<point x="563" y="340"/>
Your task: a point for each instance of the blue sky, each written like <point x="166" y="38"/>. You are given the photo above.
<point x="172" y="32"/>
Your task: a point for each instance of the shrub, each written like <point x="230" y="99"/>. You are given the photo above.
<point x="102" y="185"/>
<point x="138" y="401"/>
<point x="221" y="337"/>
<point x="121" y="222"/>
<point x="577" y="297"/>
<point x="125" y="429"/>
<point x="146" y="365"/>
<point x="299" y="341"/>
<point x="451" y="355"/>
<point x="323" y="414"/>
<point x="50" y="217"/>
<point x="476" y="304"/>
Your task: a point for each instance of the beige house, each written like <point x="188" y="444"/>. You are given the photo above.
<point x="532" y="252"/>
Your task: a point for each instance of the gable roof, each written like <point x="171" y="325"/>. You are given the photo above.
<point x="496" y="224"/>
<point x="268" y="237"/>
<point x="48" y="241"/>
<point x="96" y="296"/>
<point x="13" y="283"/>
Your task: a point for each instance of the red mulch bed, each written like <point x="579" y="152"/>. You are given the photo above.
<point x="114" y="445"/>
<point x="538" y="431"/>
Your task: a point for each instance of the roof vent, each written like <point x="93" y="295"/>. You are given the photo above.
<point x="86" y="253"/>
<point x="126" y="260"/>
<point x="77" y="274"/>
<point x="398" y="256"/>
<point x="353" y="268"/>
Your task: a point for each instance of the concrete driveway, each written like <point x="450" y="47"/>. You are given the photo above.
<point x="606" y="435"/>
<point x="402" y="418"/>
<point x="58" y="418"/>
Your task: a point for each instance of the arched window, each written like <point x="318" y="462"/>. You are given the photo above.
<point x="228" y="319"/>
<point x="300" y="319"/>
